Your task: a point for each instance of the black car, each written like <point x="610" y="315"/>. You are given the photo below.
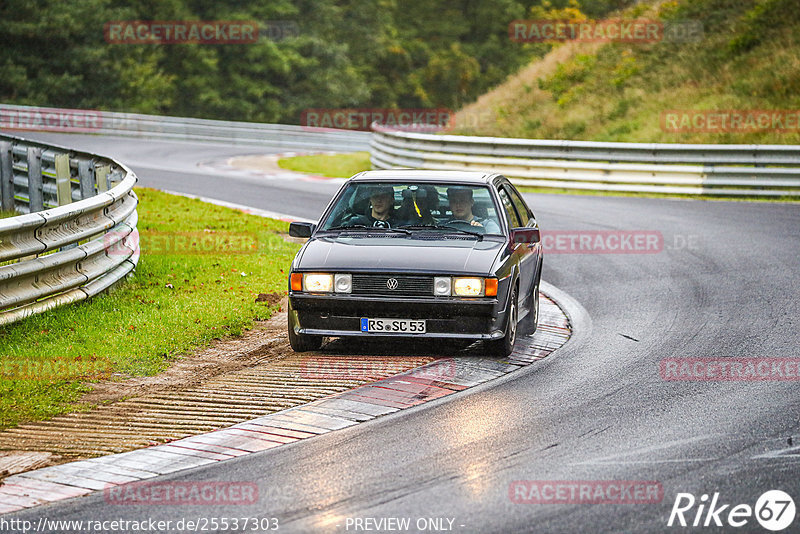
<point x="415" y="253"/>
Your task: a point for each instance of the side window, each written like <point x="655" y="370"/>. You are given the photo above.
<point x="524" y="213"/>
<point x="509" y="208"/>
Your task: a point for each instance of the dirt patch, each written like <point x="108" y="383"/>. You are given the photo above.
<point x="270" y="298"/>
<point x="267" y="339"/>
<point x="257" y="162"/>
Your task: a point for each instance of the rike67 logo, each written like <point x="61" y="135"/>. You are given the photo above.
<point x="774" y="510"/>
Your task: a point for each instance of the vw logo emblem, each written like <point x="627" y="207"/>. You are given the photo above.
<point x="391" y="283"/>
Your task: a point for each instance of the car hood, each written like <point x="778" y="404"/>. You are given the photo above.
<point x="402" y="253"/>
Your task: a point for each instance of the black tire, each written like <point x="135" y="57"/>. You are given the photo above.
<point x="502" y="348"/>
<point x="302" y="342"/>
<point x="531" y="321"/>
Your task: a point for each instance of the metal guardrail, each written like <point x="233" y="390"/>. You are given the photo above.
<point x="725" y="170"/>
<point x="181" y="128"/>
<point x="77" y="233"/>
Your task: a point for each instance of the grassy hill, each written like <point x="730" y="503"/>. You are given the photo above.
<point x="748" y="59"/>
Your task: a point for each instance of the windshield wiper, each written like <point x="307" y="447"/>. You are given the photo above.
<point x="364" y="227"/>
<point x="345" y="227"/>
<point x="443" y="227"/>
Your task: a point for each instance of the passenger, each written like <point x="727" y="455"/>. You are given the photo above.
<point x="461" y="203"/>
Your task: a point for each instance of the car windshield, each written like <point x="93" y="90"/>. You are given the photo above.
<point x="414" y="206"/>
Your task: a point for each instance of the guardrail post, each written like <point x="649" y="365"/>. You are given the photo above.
<point x="63" y="179"/>
<point x="86" y="176"/>
<point x="35" y="193"/>
<point x="101" y="176"/>
<point x="6" y="177"/>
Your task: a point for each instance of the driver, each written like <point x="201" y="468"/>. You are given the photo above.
<point x="381" y="213"/>
<point x="461" y="203"/>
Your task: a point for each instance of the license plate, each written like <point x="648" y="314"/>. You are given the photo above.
<point x="403" y="326"/>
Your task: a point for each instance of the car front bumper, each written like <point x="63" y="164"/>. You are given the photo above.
<point x="452" y="317"/>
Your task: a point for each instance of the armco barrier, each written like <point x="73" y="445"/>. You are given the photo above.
<point x="725" y="170"/>
<point x="18" y="118"/>
<point x="77" y="233"/>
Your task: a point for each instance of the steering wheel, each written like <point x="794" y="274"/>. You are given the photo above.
<point x="352" y="218"/>
<point x="464" y="225"/>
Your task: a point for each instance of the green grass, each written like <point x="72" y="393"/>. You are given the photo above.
<point x="748" y="59"/>
<point x="4" y="214"/>
<point x="332" y="166"/>
<point x="143" y="325"/>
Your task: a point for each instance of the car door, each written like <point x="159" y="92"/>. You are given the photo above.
<point x="528" y="239"/>
<point x="520" y="251"/>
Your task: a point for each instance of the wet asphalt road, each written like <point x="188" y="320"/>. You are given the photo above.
<point x="721" y="284"/>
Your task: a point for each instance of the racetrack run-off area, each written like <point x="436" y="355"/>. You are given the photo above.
<point x="231" y="408"/>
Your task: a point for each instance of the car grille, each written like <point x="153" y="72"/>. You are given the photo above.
<point x="377" y="284"/>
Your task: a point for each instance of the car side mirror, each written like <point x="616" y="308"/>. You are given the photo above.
<point x="525" y="235"/>
<point x="301" y="229"/>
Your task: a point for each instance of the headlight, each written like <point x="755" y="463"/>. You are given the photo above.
<point x="441" y="286"/>
<point x="343" y="283"/>
<point x="318" y="282"/>
<point x="468" y="287"/>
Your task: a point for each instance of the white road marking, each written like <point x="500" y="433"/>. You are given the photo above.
<point x="781" y="453"/>
<point x="243" y="208"/>
<point x="612" y="459"/>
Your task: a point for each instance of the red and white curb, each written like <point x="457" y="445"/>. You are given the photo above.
<point x="435" y="380"/>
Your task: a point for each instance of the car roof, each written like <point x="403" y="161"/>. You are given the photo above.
<point x="476" y="177"/>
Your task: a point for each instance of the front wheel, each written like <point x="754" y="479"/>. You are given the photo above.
<point x="531" y="321"/>
<point x="503" y="347"/>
